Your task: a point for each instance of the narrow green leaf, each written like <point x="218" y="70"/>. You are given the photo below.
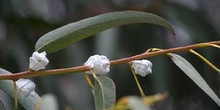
<point x="192" y="73"/>
<point x="73" y="32"/>
<point x="104" y="93"/>
<point x="29" y="102"/>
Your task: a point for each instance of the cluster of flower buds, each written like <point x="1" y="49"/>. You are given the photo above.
<point x="26" y="86"/>
<point x="38" y="61"/>
<point x="99" y="63"/>
<point x="142" y="67"/>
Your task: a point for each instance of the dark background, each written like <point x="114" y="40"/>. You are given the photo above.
<point x="23" y="22"/>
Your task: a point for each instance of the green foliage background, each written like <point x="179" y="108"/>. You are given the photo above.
<point x="23" y="22"/>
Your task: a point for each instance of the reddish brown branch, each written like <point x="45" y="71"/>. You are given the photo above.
<point x="28" y="74"/>
<point x="162" y="52"/>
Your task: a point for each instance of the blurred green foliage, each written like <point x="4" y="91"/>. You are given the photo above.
<point x="23" y="22"/>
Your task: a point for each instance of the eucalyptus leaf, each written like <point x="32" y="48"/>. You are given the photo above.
<point x="28" y="101"/>
<point x="193" y="74"/>
<point x="104" y="93"/>
<point x="2" y="107"/>
<point x="76" y="31"/>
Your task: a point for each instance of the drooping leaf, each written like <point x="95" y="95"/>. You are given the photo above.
<point x="104" y="93"/>
<point x="28" y="101"/>
<point x="193" y="74"/>
<point x="73" y="32"/>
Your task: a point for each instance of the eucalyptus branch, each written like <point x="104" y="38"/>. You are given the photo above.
<point x="29" y="74"/>
<point x="162" y="52"/>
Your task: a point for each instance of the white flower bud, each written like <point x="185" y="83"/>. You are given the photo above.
<point x="99" y="63"/>
<point x="142" y="67"/>
<point x="26" y="85"/>
<point x="38" y="61"/>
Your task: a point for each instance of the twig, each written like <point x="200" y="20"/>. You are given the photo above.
<point x="29" y="74"/>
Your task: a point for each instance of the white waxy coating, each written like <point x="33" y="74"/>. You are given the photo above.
<point x="99" y="63"/>
<point x="142" y="67"/>
<point x="26" y="85"/>
<point x="38" y="61"/>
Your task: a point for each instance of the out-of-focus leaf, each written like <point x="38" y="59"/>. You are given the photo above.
<point x="73" y="32"/>
<point x="136" y="103"/>
<point x="152" y="99"/>
<point x="131" y="103"/>
<point x="185" y="17"/>
<point x="2" y="107"/>
<point x="192" y="73"/>
<point x="28" y="101"/>
<point x="51" y="101"/>
<point x="104" y="93"/>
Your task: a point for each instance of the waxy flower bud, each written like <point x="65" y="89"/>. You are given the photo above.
<point x="26" y="85"/>
<point x="38" y="61"/>
<point x="142" y="67"/>
<point x="99" y="63"/>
